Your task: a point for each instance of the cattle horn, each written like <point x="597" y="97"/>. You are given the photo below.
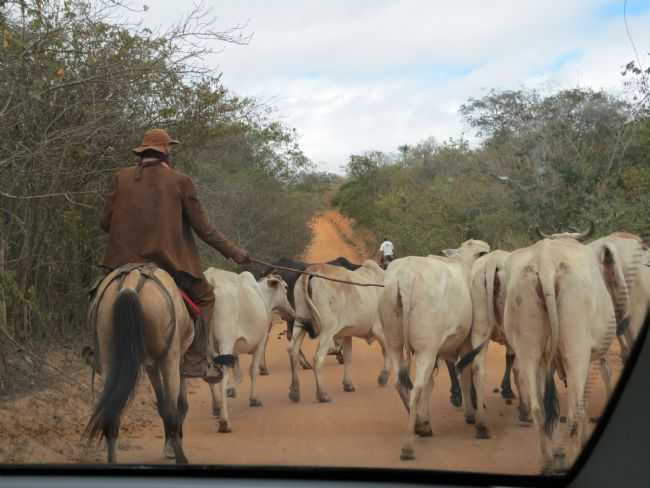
<point x="587" y="233"/>
<point x="541" y="234"/>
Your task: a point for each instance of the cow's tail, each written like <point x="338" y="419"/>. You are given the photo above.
<point x="613" y="266"/>
<point x="404" y="309"/>
<point x="126" y="361"/>
<point x="316" y="322"/>
<point x="547" y="278"/>
<point x="490" y="276"/>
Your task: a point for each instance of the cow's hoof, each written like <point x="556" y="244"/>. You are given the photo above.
<point x="264" y="371"/>
<point x="382" y="380"/>
<point x="508" y="395"/>
<point x="294" y="396"/>
<point x="323" y="397"/>
<point x="423" y="429"/>
<point x="216" y="412"/>
<point x="168" y="451"/>
<point x="456" y="400"/>
<point x="348" y="387"/>
<point x="407" y="454"/>
<point x="231" y="392"/>
<point x="470" y="419"/>
<point x="482" y="432"/>
<point x="224" y="427"/>
<point x="254" y="402"/>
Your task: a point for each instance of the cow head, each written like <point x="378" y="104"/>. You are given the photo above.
<point x="576" y="235"/>
<point x="279" y="302"/>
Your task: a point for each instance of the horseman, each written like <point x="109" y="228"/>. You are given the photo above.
<point x="150" y="215"/>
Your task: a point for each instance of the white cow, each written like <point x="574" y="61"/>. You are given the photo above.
<point x="426" y="310"/>
<point x="331" y="311"/>
<point x="240" y="324"/>
<point x="633" y="254"/>
<point x="488" y="301"/>
<point x="558" y="311"/>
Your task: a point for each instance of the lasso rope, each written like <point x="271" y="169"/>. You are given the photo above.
<point x="316" y="275"/>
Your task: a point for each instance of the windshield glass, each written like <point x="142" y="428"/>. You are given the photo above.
<point x="369" y="234"/>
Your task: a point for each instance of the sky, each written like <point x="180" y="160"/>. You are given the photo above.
<point x="352" y="76"/>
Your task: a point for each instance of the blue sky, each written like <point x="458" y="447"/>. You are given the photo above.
<point x="376" y="74"/>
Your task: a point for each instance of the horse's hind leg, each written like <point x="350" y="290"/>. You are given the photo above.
<point x="154" y="377"/>
<point x="110" y="433"/>
<point x="170" y="410"/>
<point x="183" y="405"/>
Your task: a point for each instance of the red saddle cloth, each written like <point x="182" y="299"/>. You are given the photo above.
<point x="192" y="307"/>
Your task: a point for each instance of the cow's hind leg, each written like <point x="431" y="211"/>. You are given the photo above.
<point x="319" y="358"/>
<point x="264" y="370"/>
<point x="294" y="349"/>
<point x="506" y="385"/>
<point x="423" y="418"/>
<point x="347" y="362"/>
<point x="424" y="363"/>
<point x="384" y="375"/>
<point x="478" y="378"/>
<point x="455" y="396"/>
<point x="254" y="368"/>
<point x="215" y="392"/>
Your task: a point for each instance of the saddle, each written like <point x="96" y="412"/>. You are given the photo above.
<point x="147" y="271"/>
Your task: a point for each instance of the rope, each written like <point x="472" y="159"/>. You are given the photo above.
<point x="316" y="275"/>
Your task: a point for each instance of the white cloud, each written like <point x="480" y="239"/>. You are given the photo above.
<point x="353" y="76"/>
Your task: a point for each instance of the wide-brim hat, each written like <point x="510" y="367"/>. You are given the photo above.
<point x="156" y="139"/>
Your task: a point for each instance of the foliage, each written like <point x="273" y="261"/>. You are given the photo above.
<point x="556" y="161"/>
<point x="78" y="88"/>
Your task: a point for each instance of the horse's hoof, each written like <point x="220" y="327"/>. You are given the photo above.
<point x="168" y="451"/>
<point x="216" y="412"/>
<point x="482" y="432"/>
<point x="224" y="427"/>
<point x="254" y="402"/>
<point x="348" y="387"/>
<point x="231" y="392"/>
<point x="382" y="380"/>
<point x="264" y="371"/>
<point x="470" y="419"/>
<point x="323" y="397"/>
<point x="525" y="417"/>
<point x="294" y="396"/>
<point x="407" y="454"/>
<point x="563" y="419"/>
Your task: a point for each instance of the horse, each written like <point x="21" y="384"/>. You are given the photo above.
<point x="140" y="322"/>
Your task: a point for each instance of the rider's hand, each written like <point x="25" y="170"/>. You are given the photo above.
<point x="241" y="257"/>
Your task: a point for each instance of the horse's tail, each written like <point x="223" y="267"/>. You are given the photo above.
<point x="127" y="357"/>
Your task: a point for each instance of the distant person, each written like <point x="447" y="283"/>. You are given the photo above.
<point x="149" y="215"/>
<point x="386" y="253"/>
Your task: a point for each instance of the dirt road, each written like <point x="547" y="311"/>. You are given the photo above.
<point x="364" y="428"/>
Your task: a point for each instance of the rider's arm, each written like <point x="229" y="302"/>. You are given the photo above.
<point x="199" y="222"/>
<point x="107" y="214"/>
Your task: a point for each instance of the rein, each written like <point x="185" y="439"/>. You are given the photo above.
<point x="316" y="275"/>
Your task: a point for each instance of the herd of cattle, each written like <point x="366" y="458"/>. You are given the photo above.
<point x="557" y="305"/>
